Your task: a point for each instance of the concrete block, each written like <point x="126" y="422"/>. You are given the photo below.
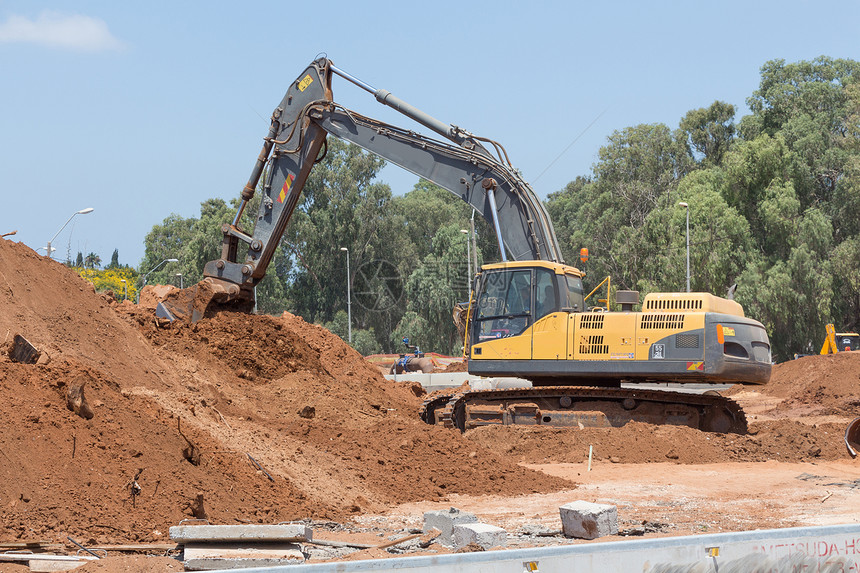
<point x="482" y="534"/>
<point x="586" y="520"/>
<point x="209" y="556"/>
<point x="444" y="521"/>
<point x="231" y="533"/>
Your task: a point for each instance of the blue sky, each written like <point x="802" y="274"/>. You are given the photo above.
<point x="140" y="110"/>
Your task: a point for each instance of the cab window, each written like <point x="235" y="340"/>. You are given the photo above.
<point x="505" y="306"/>
<point x="545" y="298"/>
<point x="575" y="295"/>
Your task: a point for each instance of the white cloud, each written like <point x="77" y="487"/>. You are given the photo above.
<point x="56" y="30"/>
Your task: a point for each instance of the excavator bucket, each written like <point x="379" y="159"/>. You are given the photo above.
<point x="200" y="300"/>
<point x="183" y="304"/>
<point x="852" y="437"/>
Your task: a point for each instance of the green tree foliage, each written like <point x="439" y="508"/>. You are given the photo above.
<point x="364" y="341"/>
<point x="92" y="261"/>
<point x="710" y="131"/>
<point x="114" y="260"/>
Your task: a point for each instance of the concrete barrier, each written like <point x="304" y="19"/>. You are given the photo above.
<point x="441" y="380"/>
<point x="823" y="548"/>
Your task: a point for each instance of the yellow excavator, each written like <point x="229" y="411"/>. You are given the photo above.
<point x="839" y="341"/>
<point x="528" y="316"/>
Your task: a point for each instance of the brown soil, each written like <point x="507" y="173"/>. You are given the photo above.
<point x="461" y="366"/>
<point x="289" y="422"/>
<point x="260" y="419"/>
<point x="819" y="385"/>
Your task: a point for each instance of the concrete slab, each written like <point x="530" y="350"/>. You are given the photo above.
<point x="45" y="563"/>
<point x="210" y="556"/>
<point x="441" y="380"/>
<point x="586" y="520"/>
<point x="481" y="534"/>
<point x="228" y="533"/>
<point x="444" y="521"/>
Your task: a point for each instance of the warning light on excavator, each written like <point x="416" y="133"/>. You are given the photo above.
<point x="583" y="254"/>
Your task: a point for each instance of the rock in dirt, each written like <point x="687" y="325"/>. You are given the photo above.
<point x="76" y="401"/>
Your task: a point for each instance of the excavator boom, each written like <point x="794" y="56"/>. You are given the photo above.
<point x="298" y="130"/>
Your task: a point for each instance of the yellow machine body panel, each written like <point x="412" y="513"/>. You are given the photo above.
<point x="549" y="337"/>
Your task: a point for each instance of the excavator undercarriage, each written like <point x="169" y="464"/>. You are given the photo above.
<point x="584" y="406"/>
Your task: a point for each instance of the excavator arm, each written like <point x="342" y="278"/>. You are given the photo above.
<point x="299" y="126"/>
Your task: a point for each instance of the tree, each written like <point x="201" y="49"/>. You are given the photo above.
<point x="114" y="260"/>
<point x="79" y="262"/>
<point x="809" y="103"/>
<point x="92" y="261"/>
<point x="710" y="132"/>
<point x="761" y="181"/>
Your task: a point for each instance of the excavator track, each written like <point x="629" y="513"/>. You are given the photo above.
<point x="431" y="405"/>
<point x="583" y="406"/>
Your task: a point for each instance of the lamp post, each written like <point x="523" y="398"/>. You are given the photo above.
<point x="150" y="272"/>
<point x="124" y="289"/>
<point x="687" y="207"/>
<point x="81" y="212"/>
<point x="180" y="279"/>
<point x="348" y="297"/>
<point x="468" y="259"/>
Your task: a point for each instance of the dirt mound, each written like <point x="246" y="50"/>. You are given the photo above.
<point x="239" y="418"/>
<point x="460" y="366"/>
<point x="819" y="384"/>
<point x="636" y="442"/>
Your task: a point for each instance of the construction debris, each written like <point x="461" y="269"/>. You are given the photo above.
<point x="445" y="521"/>
<point x="585" y="520"/>
<point x="208" y="556"/>
<point x="282" y="532"/>
<point x="22" y="351"/>
<point x="230" y="546"/>
<point x="43" y="562"/>
<point x="481" y="534"/>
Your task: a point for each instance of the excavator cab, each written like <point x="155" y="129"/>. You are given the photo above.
<point x="514" y="296"/>
<point x="848" y="341"/>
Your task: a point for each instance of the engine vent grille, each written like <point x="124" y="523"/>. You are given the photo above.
<point x="686" y="341"/>
<point x="593" y="345"/>
<point x="674" y="304"/>
<point x="662" y="321"/>
<point x="591" y="321"/>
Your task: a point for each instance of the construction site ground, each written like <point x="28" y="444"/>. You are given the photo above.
<point x="129" y="425"/>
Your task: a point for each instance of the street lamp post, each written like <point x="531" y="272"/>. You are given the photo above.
<point x="348" y="297"/>
<point x="180" y="279"/>
<point x="150" y="272"/>
<point x="124" y="289"/>
<point x="686" y="206"/>
<point x="81" y="212"/>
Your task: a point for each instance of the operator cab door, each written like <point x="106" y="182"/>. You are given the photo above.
<point x="503" y="315"/>
<point x="549" y="333"/>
